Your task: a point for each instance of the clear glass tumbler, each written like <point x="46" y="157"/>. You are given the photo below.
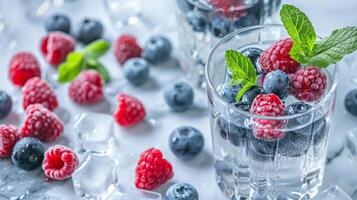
<point x="248" y="167"/>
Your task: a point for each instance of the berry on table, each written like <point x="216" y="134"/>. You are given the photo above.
<point x="23" y="66"/>
<point x="130" y="111"/>
<point x="197" y="20"/>
<point x="229" y="92"/>
<point x="60" y="162"/>
<point x="5" y="104"/>
<point x="89" y="30"/>
<point x="58" y="22"/>
<point x="186" y="142"/>
<point x="157" y="49"/>
<point x="308" y="84"/>
<point x="230" y="9"/>
<point x="277" y="82"/>
<point x="126" y="47"/>
<point x="250" y="95"/>
<point x="41" y="123"/>
<point x="179" y="96"/>
<point x="152" y="170"/>
<point x="136" y="71"/>
<point x="219" y="27"/>
<point x="56" y="46"/>
<point x="351" y="102"/>
<point x="9" y="135"/>
<point x="38" y="91"/>
<point x="87" y="88"/>
<point x="181" y="191"/>
<point x="253" y="54"/>
<point x="28" y="153"/>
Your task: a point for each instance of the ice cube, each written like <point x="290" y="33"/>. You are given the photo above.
<point x="332" y="193"/>
<point x="94" y="132"/>
<point x="135" y="194"/>
<point x="96" y="177"/>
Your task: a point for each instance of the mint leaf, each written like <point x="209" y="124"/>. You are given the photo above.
<point x="68" y="70"/>
<point x="97" y="48"/>
<point x="92" y="63"/>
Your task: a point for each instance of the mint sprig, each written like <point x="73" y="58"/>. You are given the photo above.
<point x="243" y="71"/>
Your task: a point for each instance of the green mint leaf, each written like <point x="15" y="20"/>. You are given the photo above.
<point x="243" y="70"/>
<point x="244" y="89"/>
<point x="68" y="70"/>
<point x="97" y="48"/>
<point x="93" y="63"/>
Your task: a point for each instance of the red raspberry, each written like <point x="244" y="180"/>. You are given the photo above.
<point x="87" y="88"/>
<point x="231" y="9"/>
<point x="23" y="66"/>
<point x="277" y="57"/>
<point x="130" y="110"/>
<point x="126" y="47"/>
<point x="152" y="170"/>
<point x="9" y="135"/>
<point x="41" y="123"/>
<point x="38" y="91"/>
<point x="268" y="105"/>
<point x="60" y="162"/>
<point x="56" y="46"/>
<point x="308" y="84"/>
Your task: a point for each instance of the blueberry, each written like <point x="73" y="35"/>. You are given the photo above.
<point x="277" y="82"/>
<point x="261" y="150"/>
<point x="250" y="95"/>
<point x="229" y="92"/>
<point x="260" y="79"/>
<point x="89" y="30"/>
<point x="351" y="102"/>
<point x="5" y="104"/>
<point x="28" y="153"/>
<point x="293" y="144"/>
<point x="219" y="27"/>
<point x="184" y="5"/>
<point x="58" y="22"/>
<point x="179" y="96"/>
<point x="298" y="108"/>
<point x="242" y="106"/>
<point x="186" y="142"/>
<point x="197" y="20"/>
<point x="157" y="49"/>
<point x="136" y="71"/>
<point x="181" y="191"/>
<point x="248" y="20"/>
<point x="253" y="54"/>
<point x="229" y="131"/>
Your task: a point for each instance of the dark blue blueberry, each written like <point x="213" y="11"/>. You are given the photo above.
<point x="229" y="92"/>
<point x="298" y="108"/>
<point x="253" y="54"/>
<point x="261" y="150"/>
<point x="89" y="30"/>
<point x="5" y="104"/>
<point x="186" y="142"/>
<point x="197" y="20"/>
<point x="351" y="102"/>
<point x="242" y="106"/>
<point x="294" y="144"/>
<point x="250" y="95"/>
<point x="157" y="49"/>
<point x="179" y="96"/>
<point x="184" y="5"/>
<point x="28" y="153"/>
<point x="58" y="22"/>
<point x="277" y="82"/>
<point x="181" y="191"/>
<point x="219" y="27"/>
<point x="136" y="71"/>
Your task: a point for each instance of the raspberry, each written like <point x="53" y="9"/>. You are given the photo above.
<point x="152" y="170"/>
<point x="9" y="135"/>
<point x="308" y="84"/>
<point x="23" y="66"/>
<point x="41" y="123"/>
<point x="60" y="162"/>
<point x="38" y="91"/>
<point x="130" y="110"/>
<point x="126" y="47"/>
<point x="87" y="88"/>
<point x="268" y="105"/>
<point x="277" y="57"/>
<point x="56" y="46"/>
<point x="230" y="9"/>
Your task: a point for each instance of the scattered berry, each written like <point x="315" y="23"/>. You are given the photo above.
<point x="9" y="135"/>
<point x="186" y="142"/>
<point x="230" y="9"/>
<point x="179" y="96"/>
<point x="60" y="162"/>
<point x="228" y="92"/>
<point x="28" y="153"/>
<point x="56" y="46"/>
<point x="253" y="54"/>
<point x="351" y="102"/>
<point x="219" y="27"/>
<point x="5" y="104"/>
<point x="181" y="191"/>
<point x="268" y="105"/>
<point x="130" y="111"/>
<point x="157" y="49"/>
<point x="250" y="95"/>
<point x="277" y="57"/>
<point x="197" y="20"/>
<point x="308" y="84"/>
<point x="136" y="71"/>
<point x="126" y="47"/>
<point x="41" y="123"/>
<point x="38" y="91"/>
<point x="58" y="22"/>
<point x="277" y="82"/>
<point x="152" y="170"/>
<point x="23" y="66"/>
<point x="89" y="30"/>
<point x="87" y="88"/>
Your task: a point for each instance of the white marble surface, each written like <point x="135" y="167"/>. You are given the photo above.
<point x="325" y="14"/>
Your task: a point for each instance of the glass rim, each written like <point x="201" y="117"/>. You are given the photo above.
<point x="248" y="114"/>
